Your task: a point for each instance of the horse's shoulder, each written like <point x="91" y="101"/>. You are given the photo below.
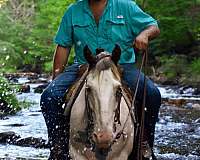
<point x="77" y="84"/>
<point x="127" y="91"/>
<point x="74" y="90"/>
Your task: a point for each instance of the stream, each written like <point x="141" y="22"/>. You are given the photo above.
<point x="177" y="132"/>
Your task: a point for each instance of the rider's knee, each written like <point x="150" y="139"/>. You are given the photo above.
<point x="49" y="99"/>
<point x="154" y="97"/>
<point x="45" y="97"/>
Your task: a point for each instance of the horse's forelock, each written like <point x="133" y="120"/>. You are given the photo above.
<point x="105" y="62"/>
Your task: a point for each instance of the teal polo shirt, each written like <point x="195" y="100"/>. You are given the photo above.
<point x="121" y="22"/>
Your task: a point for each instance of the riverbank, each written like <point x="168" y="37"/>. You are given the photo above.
<point x="177" y="132"/>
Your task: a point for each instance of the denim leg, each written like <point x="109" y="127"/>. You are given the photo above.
<point x="51" y="105"/>
<point x="153" y="98"/>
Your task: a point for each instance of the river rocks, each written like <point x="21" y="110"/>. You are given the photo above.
<point x="14" y="139"/>
<point x="188" y="106"/>
<point x="31" y="142"/>
<point x="8" y="137"/>
<point x="196" y="106"/>
<point x="40" y="88"/>
<point x="196" y="91"/>
<point x="15" y="125"/>
<point x="176" y="102"/>
<point x="25" y="88"/>
<point x="197" y="120"/>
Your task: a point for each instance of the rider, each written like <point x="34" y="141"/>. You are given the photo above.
<point x="98" y="24"/>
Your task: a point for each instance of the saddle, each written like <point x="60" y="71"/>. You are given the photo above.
<point x="74" y="90"/>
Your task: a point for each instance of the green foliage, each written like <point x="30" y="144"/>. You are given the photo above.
<point x="179" y="23"/>
<point x="174" y="66"/>
<point x="195" y="66"/>
<point x="7" y="94"/>
<point x="28" y="40"/>
<point x="47" y="20"/>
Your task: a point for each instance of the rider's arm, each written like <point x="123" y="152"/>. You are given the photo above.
<point x="64" y="42"/>
<point x="143" y="25"/>
<point x="142" y="40"/>
<point x="60" y="60"/>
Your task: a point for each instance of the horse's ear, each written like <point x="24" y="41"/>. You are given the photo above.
<point x="116" y="53"/>
<point x="89" y="56"/>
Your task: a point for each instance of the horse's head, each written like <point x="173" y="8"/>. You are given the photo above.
<point x="103" y="95"/>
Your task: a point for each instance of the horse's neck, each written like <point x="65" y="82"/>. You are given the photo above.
<point x="78" y="111"/>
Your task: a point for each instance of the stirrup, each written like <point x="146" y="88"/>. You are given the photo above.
<point x="146" y="150"/>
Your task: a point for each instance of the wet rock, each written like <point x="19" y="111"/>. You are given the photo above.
<point x="39" y="80"/>
<point x="188" y="106"/>
<point x="177" y="102"/>
<point x="8" y="137"/>
<point x="197" y="120"/>
<point x="15" y="125"/>
<point x="162" y="121"/>
<point x="40" y="88"/>
<point x="25" y="88"/>
<point x="196" y="91"/>
<point x="196" y="106"/>
<point x="34" y="114"/>
<point x="32" y="142"/>
<point x="190" y="129"/>
<point x="3" y="117"/>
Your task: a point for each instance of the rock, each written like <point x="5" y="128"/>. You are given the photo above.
<point x="188" y="106"/>
<point x="32" y="142"/>
<point x="40" y="80"/>
<point x="196" y="106"/>
<point x="3" y="117"/>
<point x="196" y="91"/>
<point x="177" y="102"/>
<point x="40" y="88"/>
<point x="15" y="125"/>
<point x="190" y="129"/>
<point x="197" y="120"/>
<point x="162" y="121"/>
<point x="25" y="88"/>
<point x="8" y="137"/>
<point x="34" y="114"/>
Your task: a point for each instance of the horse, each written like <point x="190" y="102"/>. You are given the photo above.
<point x="101" y="120"/>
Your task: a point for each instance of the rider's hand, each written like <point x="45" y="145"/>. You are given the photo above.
<point x="141" y="41"/>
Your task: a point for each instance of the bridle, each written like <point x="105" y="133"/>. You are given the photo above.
<point x="90" y="118"/>
<point x="121" y="93"/>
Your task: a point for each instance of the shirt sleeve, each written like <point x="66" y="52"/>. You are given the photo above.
<point x="64" y="33"/>
<point x="139" y="19"/>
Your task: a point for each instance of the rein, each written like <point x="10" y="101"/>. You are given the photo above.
<point x="140" y="125"/>
<point x="120" y="93"/>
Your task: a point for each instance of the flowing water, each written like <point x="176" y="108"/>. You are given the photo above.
<point x="177" y="132"/>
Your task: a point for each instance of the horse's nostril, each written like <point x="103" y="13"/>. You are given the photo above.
<point x="95" y="137"/>
<point x="102" y="138"/>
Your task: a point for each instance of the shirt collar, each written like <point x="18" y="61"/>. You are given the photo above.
<point x="87" y="8"/>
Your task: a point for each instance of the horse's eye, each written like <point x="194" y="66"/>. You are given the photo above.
<point x="88" y="89"/>
<point x="119" y="92"/>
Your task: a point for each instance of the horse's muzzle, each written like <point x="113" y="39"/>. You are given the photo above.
<point x="102" y="140"/>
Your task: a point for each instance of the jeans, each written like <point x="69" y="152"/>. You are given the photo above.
<point x="57" y="124"/>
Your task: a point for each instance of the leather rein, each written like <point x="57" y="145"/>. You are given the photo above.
<point x="90" y="125"/>
<point x="120" y="93"/>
